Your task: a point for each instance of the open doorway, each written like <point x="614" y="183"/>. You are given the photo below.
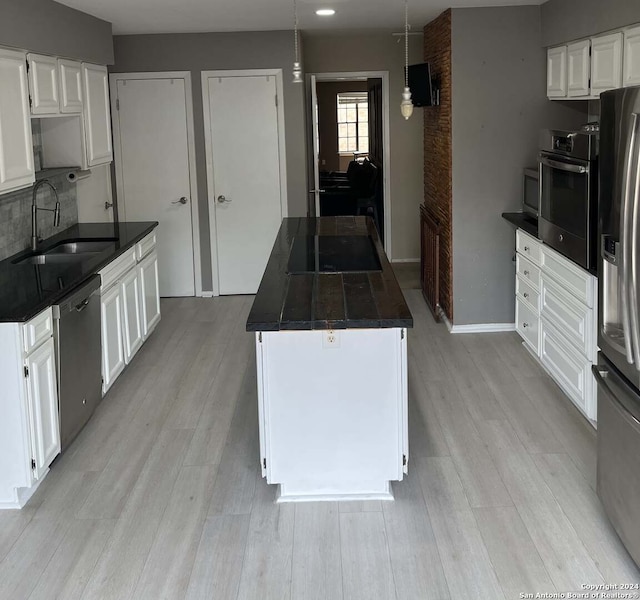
<point x="349" y="147"/>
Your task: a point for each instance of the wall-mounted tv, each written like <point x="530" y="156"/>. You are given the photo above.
<point x="424" y="88"/>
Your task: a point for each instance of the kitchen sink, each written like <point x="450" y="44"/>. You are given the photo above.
<point x="80" y="247"/>
<point x="55" y="258"/>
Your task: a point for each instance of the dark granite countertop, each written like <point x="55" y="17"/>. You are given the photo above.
<point x="332" y="294"/>
<point x="26" y="289"/>
<point x="523" y="221"/>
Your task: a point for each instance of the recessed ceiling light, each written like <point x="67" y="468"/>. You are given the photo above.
<point x="325" y="12"/>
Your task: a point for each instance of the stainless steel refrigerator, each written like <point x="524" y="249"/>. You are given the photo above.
<point x="618" y="369"/>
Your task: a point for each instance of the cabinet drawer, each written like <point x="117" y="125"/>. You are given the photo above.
<point x="528" y="246"/>
<point x="571" y="371"/>
<point x="528" y="271"/>
<point x="528" y="325"/>
<point x="145" y="245"/>
<point x="570" y="276"/>
<point x="116" y="269"/>
<point x="528" y="294"/>
<point x="37" y="330"/>
<point x="571" y="318"/>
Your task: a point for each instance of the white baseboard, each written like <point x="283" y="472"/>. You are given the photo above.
<point x="479" y="327"/>
<point x="405" y="260"/>
<point x="206" y="294"/>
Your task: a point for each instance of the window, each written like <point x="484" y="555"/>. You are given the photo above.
<point x="353" y="122"/>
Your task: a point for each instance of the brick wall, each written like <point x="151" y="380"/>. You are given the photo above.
<point x="438" y="150"/>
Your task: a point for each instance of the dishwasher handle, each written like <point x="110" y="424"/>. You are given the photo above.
<point x="78" y="299"/>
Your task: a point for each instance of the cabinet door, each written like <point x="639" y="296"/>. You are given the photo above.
<point x="131" y="314"/>
<point x="578" y="71"/>
<point x="70" y="86"/>
<point x="96" y="114"/>
<point x="43" y="83"/>
<point x="16" y="146"/>
<point x="112" y="346"/>
<point x="42" y="397"/>
<point x="557" y="72"/>
<point x="150" y="293"/>
<point x="606" y="63"/>
<point x="631" y="68"/>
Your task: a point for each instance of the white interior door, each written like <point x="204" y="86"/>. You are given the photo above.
<point x="154" y="180"/>
<point x="243" y="168"/>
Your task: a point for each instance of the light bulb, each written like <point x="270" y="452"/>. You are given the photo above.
<point x="297" y="73"/>
<point x="406" y="106"/>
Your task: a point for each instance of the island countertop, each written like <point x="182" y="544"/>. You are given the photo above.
<point x="26" y="289"/>
<point x="354" y="288"/>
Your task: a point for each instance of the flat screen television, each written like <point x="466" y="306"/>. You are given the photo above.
<point x="421" y="85"/>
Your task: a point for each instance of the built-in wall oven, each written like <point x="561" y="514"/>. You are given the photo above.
<point x="568" y="194"/>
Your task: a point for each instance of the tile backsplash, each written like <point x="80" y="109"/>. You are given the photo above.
<point x="15" y="207"/>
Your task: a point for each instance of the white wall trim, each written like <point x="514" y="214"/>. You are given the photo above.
<point x="399" y="261"/>
<point x="479" y="327"/>
<point x="386" y="174"/>
<point x="207" y="294"/>
<point x="193" y="179"/>
<point x="284" y="206"/>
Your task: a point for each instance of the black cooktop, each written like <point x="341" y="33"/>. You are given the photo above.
<point x="332" y="254"/>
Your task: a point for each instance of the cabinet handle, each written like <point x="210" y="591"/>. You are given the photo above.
<point x="526" y="273"/>
<point x="526" y="295"/>
<point x="526" y="248"/>
<point x="525" y="324"/>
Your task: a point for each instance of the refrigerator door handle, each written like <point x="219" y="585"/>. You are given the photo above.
<point x="631" y="195"/>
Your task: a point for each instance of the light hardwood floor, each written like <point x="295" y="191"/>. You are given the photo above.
<point x="161" y="497"/>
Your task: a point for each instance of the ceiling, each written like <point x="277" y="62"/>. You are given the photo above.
<point x="182" y="16"/>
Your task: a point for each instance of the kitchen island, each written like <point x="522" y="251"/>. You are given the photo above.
<point x="331" y="347"/>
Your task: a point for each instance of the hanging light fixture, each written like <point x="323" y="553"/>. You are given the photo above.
<point x="297" y="69"/>
<point x="406" y="106"/>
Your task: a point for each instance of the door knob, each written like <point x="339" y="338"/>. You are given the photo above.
<point x="108" y="205"/>
<point x="182" y="200"/>
<point x="223" y="199"/>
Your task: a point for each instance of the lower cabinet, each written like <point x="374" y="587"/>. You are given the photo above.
<point x="130" y="308"/>
<point x="29" y="427"/>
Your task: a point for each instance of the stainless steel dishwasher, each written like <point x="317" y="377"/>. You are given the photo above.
<point x="79" y="356"/>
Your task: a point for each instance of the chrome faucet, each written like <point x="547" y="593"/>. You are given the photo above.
<point x="34" y="211"/>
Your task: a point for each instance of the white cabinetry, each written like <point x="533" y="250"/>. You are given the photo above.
<point x="97" y="118"/>
<point x="631" y="61"/>
<point x="70" y="73"/>
<point x="29" y="428"/>
<point x="606" y="63"/>
<point x="130" y="306"/>
<point x="16" y="146"/>
<point x="556" y="316"/>
<point x="557" y="72"/>
<point x="43" y="84"/>
<point x="578" y="74"/>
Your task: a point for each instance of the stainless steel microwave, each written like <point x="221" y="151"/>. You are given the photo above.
<point x="531" y="192"/>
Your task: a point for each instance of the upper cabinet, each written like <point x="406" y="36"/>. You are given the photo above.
<point x="16" y="146"/>
<point x="70" y="73"/>
<point x="557" y="72"/>
<point x="606" y="63"/>
<point x="586" y="68"/>
<point x="43" y="83"/>
<point x="97" y="115"/>
<point x="631" y="68"/>
<point x="578" y="68"/>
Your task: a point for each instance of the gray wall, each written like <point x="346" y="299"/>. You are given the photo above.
<point x="343" y="52"/>
<point x="499" y="106"/>
<point x="209" y="51"/>
<point x="567" y="20"/>
<point x="51" y="28"/>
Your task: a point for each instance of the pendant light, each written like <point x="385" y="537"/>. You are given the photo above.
<point x="406" y="106"/>
<point x="297" y="69"/>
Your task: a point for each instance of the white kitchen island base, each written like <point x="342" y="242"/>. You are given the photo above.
<point x="333" y="412"/>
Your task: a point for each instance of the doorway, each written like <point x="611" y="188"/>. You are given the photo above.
<point x="350" y="147"/>
<point x="155" y="170"/>
<point x="244" y="138"/>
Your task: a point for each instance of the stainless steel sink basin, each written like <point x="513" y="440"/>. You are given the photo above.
<point x="47" y="259"/>
<point x="82" y="247"/>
